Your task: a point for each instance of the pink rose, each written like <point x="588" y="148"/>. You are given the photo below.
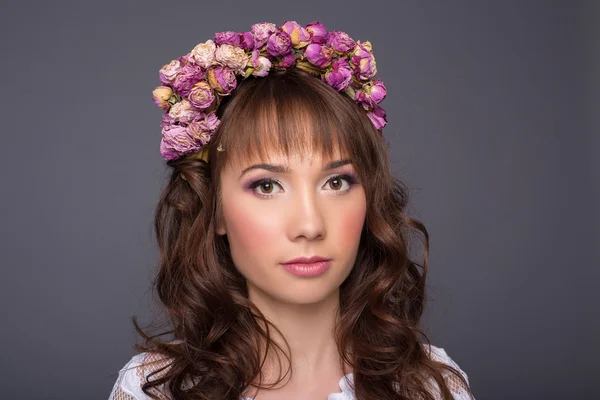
<point x="246" y="41"/>
<point x="229" y="37"/>
<point x="339" y="75"/>
<point x="299" y="35"/>
<point x="183" y="112"/>
<point x="222" y="79"/>
<point x="371" y="94"/>
<point x="169" y="72"/>
<point x="201" y="95"/>
<point x="363" y="62"/>
<point x="377" y="116"/>
<point x="187" y="77"/>
<point x="317" y="32"/>
<point x="319" y="55"/>
<point x="203" y="130"/>
<point x="340" y="41"/>
<point x="176" y="142"/>
<point x="262" y="31"/>
<point x="279" y="44"/>
<point x="261" y="64"/>
<point x="287" y="61"/>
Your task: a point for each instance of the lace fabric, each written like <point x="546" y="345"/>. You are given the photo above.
<point x="131" y="377"/>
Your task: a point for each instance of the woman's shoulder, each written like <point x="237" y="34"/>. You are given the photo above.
<point x="135" y="373"/>
<point x="456" y="386"/>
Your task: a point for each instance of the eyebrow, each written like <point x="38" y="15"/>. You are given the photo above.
<point x="284" y="169"/>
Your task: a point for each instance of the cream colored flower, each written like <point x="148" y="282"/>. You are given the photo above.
<point x="169" y="71"/>
<point x="184" y="112"/>
<point x="161" y="96"/>
<point x="232" y="57"/>
<point x="204" y="53"/>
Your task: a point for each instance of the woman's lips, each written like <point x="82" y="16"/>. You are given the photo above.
<point x="307" y="269"/>
<point x="306" y="260"/>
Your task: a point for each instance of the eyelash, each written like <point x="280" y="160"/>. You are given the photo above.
<point x="348" y="178"/>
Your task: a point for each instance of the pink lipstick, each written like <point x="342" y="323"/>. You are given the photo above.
<point x="307" y="266"/>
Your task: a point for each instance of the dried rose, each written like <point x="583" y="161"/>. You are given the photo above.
<point x="319" y="55"/>
<point x="161" y="96"/>
<point x="279" y="44"/>
<point x="222" y="79"/>
<point x="262" y="31"/>
<point x="339" y="75"/>
<point x="204" y="54"/>
<point x="317" y="31"/>
<point x="201" y="95"/>
<point x="232" y="57"/>
<point x="300" y="36"/>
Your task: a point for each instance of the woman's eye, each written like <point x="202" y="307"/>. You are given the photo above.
<point x="265" y="186"/>
<point x="340" y="183"/>
<point x="337" y="183"/>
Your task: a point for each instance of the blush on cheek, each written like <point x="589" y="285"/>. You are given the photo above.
<point x="250" y="233"/>
<point x="351" y="225"/>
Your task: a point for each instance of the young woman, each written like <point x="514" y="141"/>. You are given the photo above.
<point x="284" y="243"/>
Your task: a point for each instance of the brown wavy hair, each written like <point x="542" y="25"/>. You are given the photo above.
<point x="213" y="332"/>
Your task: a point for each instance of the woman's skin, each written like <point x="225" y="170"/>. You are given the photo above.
<point x="306" y="212"/>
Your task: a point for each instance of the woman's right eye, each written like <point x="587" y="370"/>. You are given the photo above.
<point x="265" y="187"/>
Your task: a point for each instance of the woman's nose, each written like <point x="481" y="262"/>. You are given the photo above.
<point x="306" y="216"/>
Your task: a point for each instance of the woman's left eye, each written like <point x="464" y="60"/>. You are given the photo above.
<point x="340" y="183"/>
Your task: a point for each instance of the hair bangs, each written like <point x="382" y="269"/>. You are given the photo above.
<point x="286" y="114"/>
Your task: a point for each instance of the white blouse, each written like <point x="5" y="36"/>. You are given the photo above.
<point x="131" y="377"/>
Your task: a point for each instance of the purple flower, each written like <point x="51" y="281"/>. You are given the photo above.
<point x="187" y="77"/>
<point x="201" y="95"/>
<point x="246" y="41"/>
<point x="299" y="35"/>
<point x="340" y="41"/>
<point x="176" y="142"/>
<point x="287" y="61"/>
<point x="279" y="44"/>
<point x="363" y="62"/>
<point x="166" y="120"/>
<point x="262" y="31"/>
<point x="210" y="122"/>
<point x="372" y="94"/>
<point x="317" y="32"/>
<point x="228" y="37"/>
<point x="319" y="55"/>
<point x="340" y="74"/>
<point x="222" y="79"/>
<point x="203" y="130"/>
<point x="377" y="116"/>
<point x="260" y="64"/>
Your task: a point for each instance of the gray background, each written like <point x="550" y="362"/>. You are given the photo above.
<point x="493" y="124"/>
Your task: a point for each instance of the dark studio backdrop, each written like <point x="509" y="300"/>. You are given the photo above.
<point x="493" y="124"/>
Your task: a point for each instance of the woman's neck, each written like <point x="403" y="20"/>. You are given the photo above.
<point x="309" y="331"/>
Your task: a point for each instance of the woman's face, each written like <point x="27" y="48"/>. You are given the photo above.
<point x="279" y="209"/>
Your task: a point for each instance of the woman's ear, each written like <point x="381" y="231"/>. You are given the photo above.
<point x="221" y="229"/>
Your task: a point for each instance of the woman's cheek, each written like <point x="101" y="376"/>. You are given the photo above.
<point x="351" y="223"/>
<point x="251" y="231"/>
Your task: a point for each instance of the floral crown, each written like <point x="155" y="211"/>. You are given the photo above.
<point x="193" y="85"/>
